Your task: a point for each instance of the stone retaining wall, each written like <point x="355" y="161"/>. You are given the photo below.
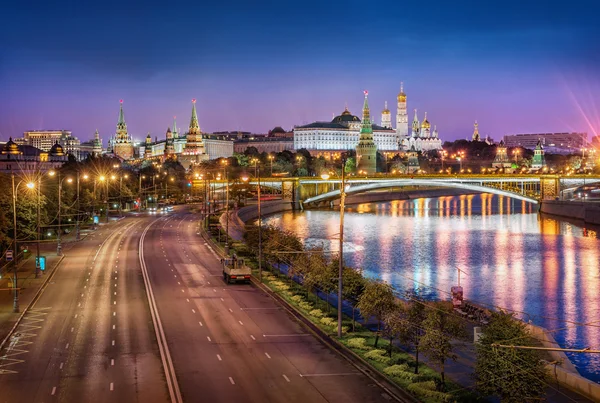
<point x="585" y="211"/>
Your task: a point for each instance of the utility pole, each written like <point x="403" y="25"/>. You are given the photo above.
<point x="341" y="262"/>
<point x="58" y="245"/>
<point x="38" y="272"/>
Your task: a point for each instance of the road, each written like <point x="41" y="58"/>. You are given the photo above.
<point x="233" y="343"/>
<point x="138" y="312"/>
<point x="88" y="338"/>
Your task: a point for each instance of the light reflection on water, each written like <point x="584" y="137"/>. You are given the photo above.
<point x="513" y="258"/>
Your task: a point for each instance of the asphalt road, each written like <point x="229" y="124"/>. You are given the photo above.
<point x="89" y="336"/>
<point x="117" y="325"/>
<point x="233" y="343"/>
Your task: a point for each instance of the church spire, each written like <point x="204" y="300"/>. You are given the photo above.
<point x="175" y="132"/>
<point x="366" y="111"/>
<point x="476" y="136"/>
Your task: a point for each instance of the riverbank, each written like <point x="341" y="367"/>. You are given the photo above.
<point x="588" y="212"/>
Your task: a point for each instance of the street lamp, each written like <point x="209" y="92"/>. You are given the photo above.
<point x="104" y="179"/>
<point x="226" y="175"/>
<point x="30" y="185"/>
<point x="257" y="174"/>
<point x="271" y="158"/>
<point x="341" y="262"/>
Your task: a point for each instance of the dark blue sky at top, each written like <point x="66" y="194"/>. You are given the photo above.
<point x="515" y="66"/>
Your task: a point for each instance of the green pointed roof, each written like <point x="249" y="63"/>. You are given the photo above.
<point x="121" y="115"/>
<point x="366" y="112"/>
<point x="194" y="120"/>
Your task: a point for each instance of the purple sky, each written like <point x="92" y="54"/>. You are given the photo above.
<point x="516" y="69"/>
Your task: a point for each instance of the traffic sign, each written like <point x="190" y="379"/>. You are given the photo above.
<point x="9" y="255"/>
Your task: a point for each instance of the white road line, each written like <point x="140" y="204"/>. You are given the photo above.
<point x="67" y="346"/>
<point x="208" y="337"/>
<point x="61" y="365"/>
<point x="182" y="290"/>
<point x="112" y="386"/>
<point x="72" y="329"/>
<point x="53" y="391"/>
<point x="165" y="355"/>
<point x="200" y="323"/>
<point x="114" y="302"/>
<point x="115" y="293"/>
<point x="113" y="342"/>
<point x="222" y="300"/>
<point x="241" y="323"/>
<point x="230" y="310"/>
<point x="231" y="380"/>
<point x="114" y="327"/>
<point x="114" y="314"/>
<point x="75" y="314"/>
<point x="214" y="290"/>
<point x="112" y="362"/>
<point x="187" y="299"/>
<point x="193" y="310"/>
<point x="253" y="338"/>
<point x="268" y="356"/>
<point x="286" y="378"/>
<point x="178" y="283"/>
<point x="208" y="282"/>
<point x="219" y="357"/>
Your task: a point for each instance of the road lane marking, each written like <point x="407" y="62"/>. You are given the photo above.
<point x="208" y="337"/>
<point x="72" y="329"/>
<point x="253" y="338"/>
<point x="53" y="391"/>
<point x="114" y="302"/>
<point x="178" y="283"/>
<point x="182" y="290"/>
<point x="167" y="362"/>
<point x="115" y="293"/>
<point x="219" y="357"/>
<point x="113" y="342"/>
<point x="187" y="299"/>
<point x="75" y="314"/>
<point x="112" y="362"/>
<point x="61" y="365"/>
<point x="114" y="327"/>
<point x="338" y="374"/>
<point x="241" y="323"/>
<point x="193" y="310"/>
<point x="231" y="380"/>
<point x="67" y="346"/>
<point x="114" y="314"/>
<point x="268" y="356"/>
<point x="286" y="378"/>
<point x="112" y="386"/>
<point x="222" y="300"/>
<point x="286" y="335"/>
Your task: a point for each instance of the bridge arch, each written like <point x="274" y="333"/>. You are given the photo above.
<point x="335" y="194"/>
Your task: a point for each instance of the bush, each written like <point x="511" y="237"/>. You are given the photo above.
<point x="400" y="371"/>
<point x="427" y="389"/>
<point x="328" y="322"/>
<point x="378" y="355"/>
<point x="358" y="343"/>
<point x="281" y="286"/>
<point x="317" y="313"/>
<point x="307" y="306"/>
<point x="297" y="299"/>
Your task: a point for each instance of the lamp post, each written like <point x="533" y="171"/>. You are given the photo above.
<point x="226" y="176"/>
<point x="38" y="272"/>
<point x="271" y="158"/>
<point x="58" y="233"/>
<point x="30" y="185"/>
<point x="341" y="262"/>
<point x="257" y="174"/>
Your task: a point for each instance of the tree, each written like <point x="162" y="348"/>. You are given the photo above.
<point x="442" y="326"/>
<point x="377" y="299"/>
<point x="515" y="375"/>
<point x="350" y="165"/>
<point x="413" y="315"/>
<point x="394" y="325"/>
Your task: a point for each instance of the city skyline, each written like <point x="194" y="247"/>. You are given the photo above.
<point x="524" y="68"/>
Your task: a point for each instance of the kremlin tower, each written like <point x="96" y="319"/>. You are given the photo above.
<point x="122" y="145"/>
<point x="476" y="136"/>
<point x="194" y="144"/>
<point x="366" y="150"/>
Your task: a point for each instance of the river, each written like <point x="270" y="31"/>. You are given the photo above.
<point x="545" y="268"/>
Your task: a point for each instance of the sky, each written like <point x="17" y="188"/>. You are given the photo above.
<point x="516" y="66"/>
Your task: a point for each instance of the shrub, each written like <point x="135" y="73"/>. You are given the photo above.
<point x="378" y="355"/>
<point x="317" y="313"/>
<point x="297" y="298"/>
<point x="400" y="371"/>
<point x="328" y="322"/>
<point x="307" y="306"/>
<point x="427" y="389"/>
<point x="358" y="343"/>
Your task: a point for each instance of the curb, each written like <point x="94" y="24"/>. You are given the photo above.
<point x="32" y="302"/>
<point x="363" y="366"/>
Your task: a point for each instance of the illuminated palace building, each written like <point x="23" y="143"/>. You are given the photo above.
<point x="342" y="133"/>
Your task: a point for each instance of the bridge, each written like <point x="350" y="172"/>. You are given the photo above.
<point x="313" y="191"/>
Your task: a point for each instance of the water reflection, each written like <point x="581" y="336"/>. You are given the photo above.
<point x="513" y="258"/>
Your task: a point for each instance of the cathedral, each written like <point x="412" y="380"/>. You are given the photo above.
<point x="421" y="138"/>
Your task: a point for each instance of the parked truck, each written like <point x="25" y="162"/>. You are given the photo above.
<point x="235" y="270"/>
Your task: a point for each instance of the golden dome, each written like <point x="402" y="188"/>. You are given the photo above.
<point x="385" y="111"/>
<point x="346" y="112"/>
<point x="401" y="95"/>
<point x="425" y="124"/>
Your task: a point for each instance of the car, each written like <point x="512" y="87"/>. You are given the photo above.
<point x="587" y="192"/>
